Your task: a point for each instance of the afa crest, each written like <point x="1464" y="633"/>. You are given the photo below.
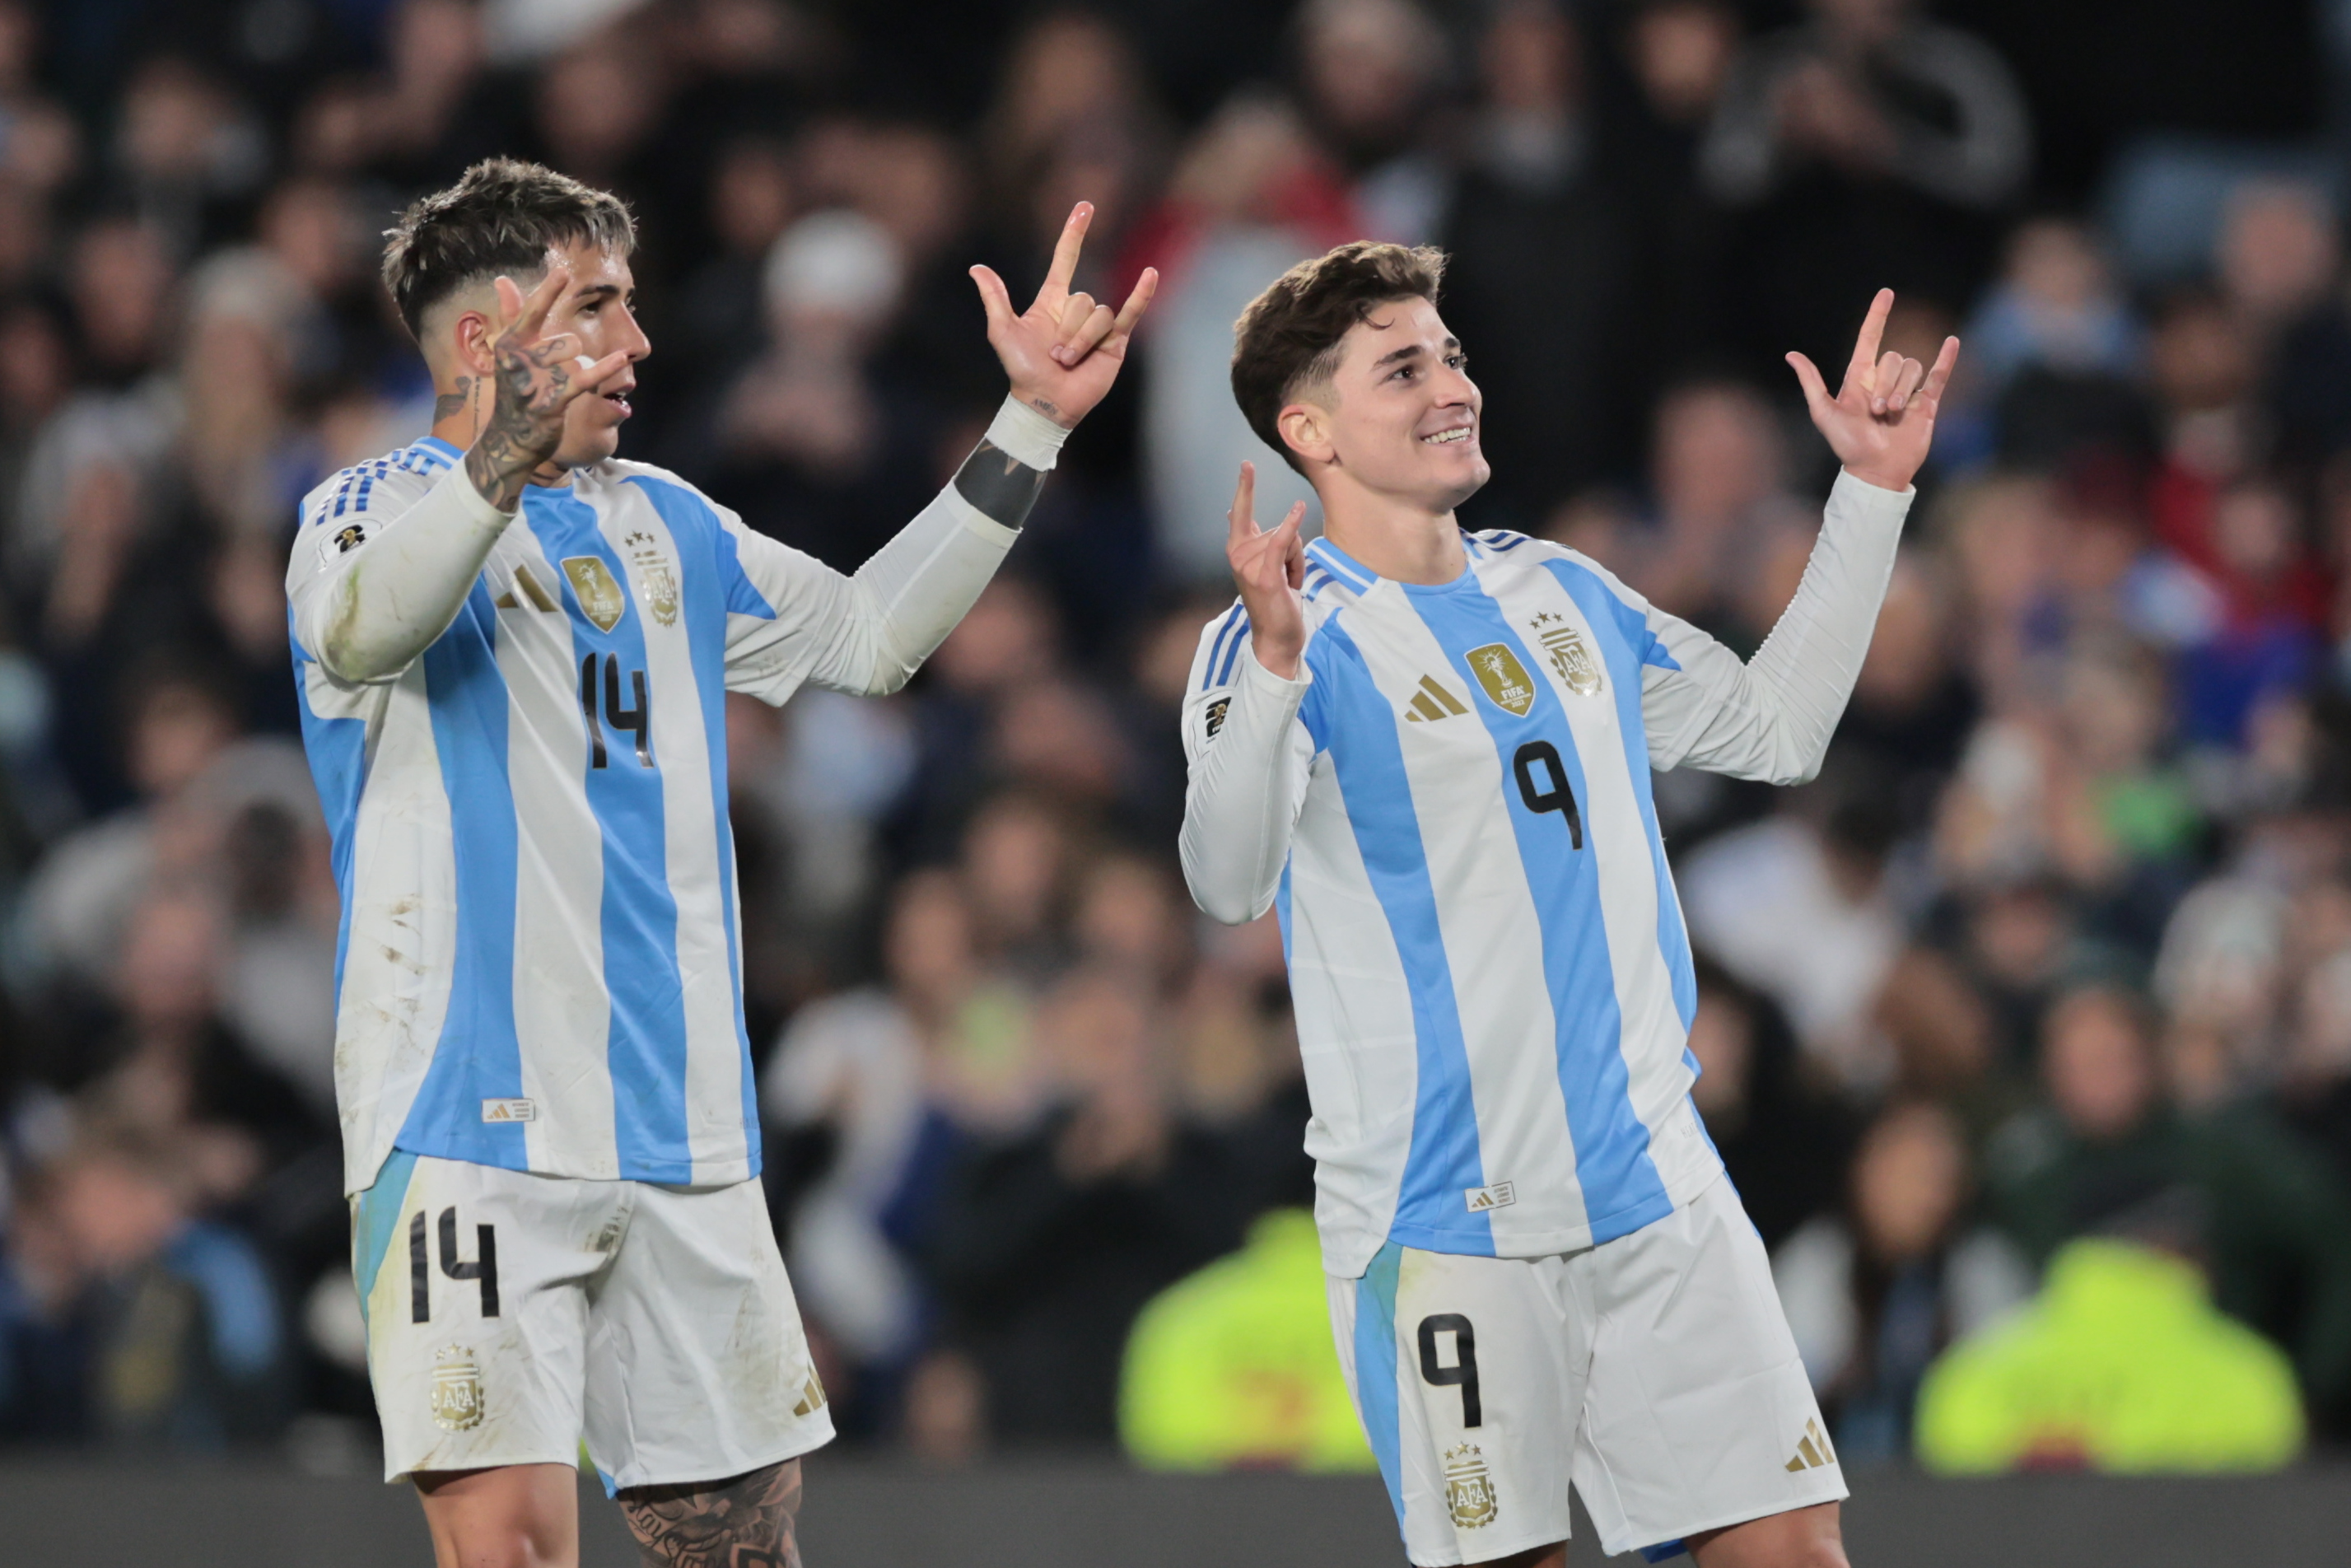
<point x="1569" y="655"/>
<point x="1470" y="1488"/>
<point x="455" y="1400"/>
<point x="656" y="582"/>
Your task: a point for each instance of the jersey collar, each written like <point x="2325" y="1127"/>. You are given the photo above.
<point x="1362" y="578"/>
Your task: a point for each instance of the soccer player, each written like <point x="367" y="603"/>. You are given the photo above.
<point x="1431" y="749"/>
<point x="513" y="651"/>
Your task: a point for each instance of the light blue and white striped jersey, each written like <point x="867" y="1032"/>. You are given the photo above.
<point x="540" y="963"/>
<point x="1492" y="983"/>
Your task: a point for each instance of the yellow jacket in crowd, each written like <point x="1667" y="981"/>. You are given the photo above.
<point x="1233" y="1366"/>
<point x="2122" y="1364"/>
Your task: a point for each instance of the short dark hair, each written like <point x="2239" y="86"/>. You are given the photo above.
<point x="1289" y="337"/>
<point x="501" y="217"/>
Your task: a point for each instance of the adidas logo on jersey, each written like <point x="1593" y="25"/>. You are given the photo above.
<point x="1813" y="1448"/>
<point x="1501" y="1195"/>
<point x="1433" y="702"/>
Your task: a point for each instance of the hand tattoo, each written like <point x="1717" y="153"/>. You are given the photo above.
<point x="1002" y="486"/>
<point x="747" y="1523"/>
<point x="453" y="403"/>
<point x="1046" y="407"/>
<point x="534" y="386"/>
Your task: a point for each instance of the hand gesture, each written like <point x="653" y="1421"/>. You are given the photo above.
<point x="1882" y="420"/>
<point x="537" y="378"/>
<point x="1268" y="566"/>
<point x="1064" y="350"/>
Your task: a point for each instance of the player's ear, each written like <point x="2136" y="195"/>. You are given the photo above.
<point x="1305" y="428"/>
<point x="466" y="339"/>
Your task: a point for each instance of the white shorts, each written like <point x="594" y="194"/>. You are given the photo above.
<point x="1656" y="1373"/>
<point x="511" y="1315"/>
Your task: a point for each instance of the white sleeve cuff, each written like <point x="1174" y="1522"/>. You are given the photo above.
<point x="1026" y="436"/>
<point x="1254" y="673"/>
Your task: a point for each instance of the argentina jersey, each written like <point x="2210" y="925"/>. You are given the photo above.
<point x="1492" y="984"/>
<point x="538" y="965"/>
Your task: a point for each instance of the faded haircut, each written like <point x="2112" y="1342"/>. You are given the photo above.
<point x="502" y="216"/>
<point x="1288" y="338"/>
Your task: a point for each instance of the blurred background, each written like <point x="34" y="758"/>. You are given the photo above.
<point x="2026" y="1027"/>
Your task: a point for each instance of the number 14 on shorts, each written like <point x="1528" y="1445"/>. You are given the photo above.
<point x="482" y="1269"/>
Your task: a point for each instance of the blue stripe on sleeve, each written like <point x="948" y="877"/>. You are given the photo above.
<point x="1233" y="651"/>
<point x="1216" y="648"/>
<point x="1367" y="759"/>
<point x="645" y="1049"/>
<point x="1622" y="1189"/>
<point x="1636" y="646"/>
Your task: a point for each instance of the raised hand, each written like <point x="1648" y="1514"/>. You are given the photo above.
<point x="1268" y="568"/>
<point x="538" y="376"/>
<point x="1882" y="420"/>
<point x="1065" y="350"/>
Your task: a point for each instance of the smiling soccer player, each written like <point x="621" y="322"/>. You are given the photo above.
<point x="513" y="651"/>
<point x="1431" y="748"/>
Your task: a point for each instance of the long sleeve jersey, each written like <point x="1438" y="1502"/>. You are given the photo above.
<point x="518" y="727"/>
<point x="1450" y="808"/>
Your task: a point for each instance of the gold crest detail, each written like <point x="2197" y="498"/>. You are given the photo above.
<point x="456" y="1396"/>
<point x="656" y="582"/>
<point x="1503" y="677"/>
<point x="599" y="596"/>
<point x="1579" y="672"/>
<point x="1468" y="1487"/>
<point x="1216" y="715"/>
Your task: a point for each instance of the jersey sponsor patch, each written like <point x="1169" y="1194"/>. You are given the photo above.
<point x="1501" y="1195"/>
<point x="509" y="1110"/>
<point x="601" y="598"/>
<point x="1216" y="715"/>
<point x="1503" y="678"/>
<point x="345" y="539"/>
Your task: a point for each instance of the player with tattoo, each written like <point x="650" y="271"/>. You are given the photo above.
<point x="513" y="650"/>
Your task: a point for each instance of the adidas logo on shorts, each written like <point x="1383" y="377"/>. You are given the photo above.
<point x="1813" y="1448"/>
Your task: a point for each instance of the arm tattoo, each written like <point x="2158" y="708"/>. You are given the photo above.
<point x="1002" y="486"/>
<point x="751" y="1521"/>
<point x="525" y="422"/>
<point x="453" y="403"/>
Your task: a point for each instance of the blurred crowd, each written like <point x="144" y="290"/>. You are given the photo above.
<point x="2056" y="953"/>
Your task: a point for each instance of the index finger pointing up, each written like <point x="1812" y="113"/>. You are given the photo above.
<point x="1065" y="253"/>
<point x="1241" y="518"/>
<point x="1873" y="328"/>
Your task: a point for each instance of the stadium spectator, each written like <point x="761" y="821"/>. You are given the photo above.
<point x="1866" y="144"/>
<point x="1232" y="1367"/>
<point x="1531" y="211"/>
<point x="1873" y="1295"/>
<point x="2120" y="1364"/>
<point x="2267" y="1215"/>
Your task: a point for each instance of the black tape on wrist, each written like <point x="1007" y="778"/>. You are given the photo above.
<point x="999" y="485"/>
